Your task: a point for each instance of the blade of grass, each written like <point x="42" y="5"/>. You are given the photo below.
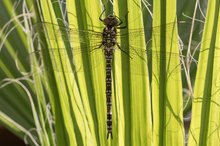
<point x="166" y="79"/>
<point x="135" y="81"/>
<point x="58" y="81"/>
<point x="205" y="112"/>
<point x="91" y="80"/>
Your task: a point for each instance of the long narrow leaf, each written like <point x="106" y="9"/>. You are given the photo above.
<point x="205" y="112"/>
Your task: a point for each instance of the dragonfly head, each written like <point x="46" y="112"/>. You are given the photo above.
<point x="110" y="21"/>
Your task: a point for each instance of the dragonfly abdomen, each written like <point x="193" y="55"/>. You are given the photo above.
<point x="108" y="57"/>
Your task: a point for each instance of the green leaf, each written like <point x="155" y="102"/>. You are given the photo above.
<point x="205" y="112"/>
<point x="166" y="78"/>
<point x="135" y="81"/>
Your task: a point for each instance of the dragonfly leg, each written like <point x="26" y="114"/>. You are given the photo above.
<point x="123" y="50"/>
<point x="98" y="47"/>
<point x="100" y="17"/>
<point x="120" y="21"/>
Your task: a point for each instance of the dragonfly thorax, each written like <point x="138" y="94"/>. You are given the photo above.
<point x="109" y="36"/>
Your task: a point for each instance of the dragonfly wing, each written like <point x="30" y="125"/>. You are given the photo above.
<point x="69" y="60"/>
<point x="137" y="55"/>
<point x="71" y="35"/>
<point x="145" y="32"/>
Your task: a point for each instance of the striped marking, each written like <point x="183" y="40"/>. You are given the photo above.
<point x="108" y="56"/>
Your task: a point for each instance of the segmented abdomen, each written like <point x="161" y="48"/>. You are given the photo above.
<point x="108" y="56"/>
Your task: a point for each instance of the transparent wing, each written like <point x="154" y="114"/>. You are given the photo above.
<point x="69" y="34"/>
<point x="151" y="58"/>
<point x="69" y="61"/>
<point x="154" y="31"/>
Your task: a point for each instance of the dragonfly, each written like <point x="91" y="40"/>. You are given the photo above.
<point x="106" y="43"/>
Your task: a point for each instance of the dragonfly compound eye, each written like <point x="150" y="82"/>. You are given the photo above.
<point x="110" y="21"/>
